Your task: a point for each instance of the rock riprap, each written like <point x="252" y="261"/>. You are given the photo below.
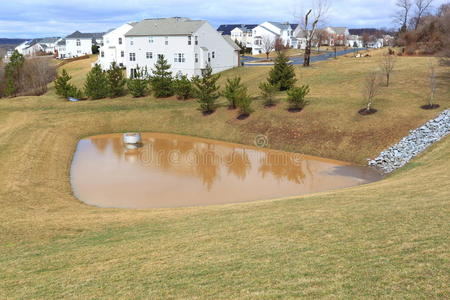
<point x="416" y="142"/>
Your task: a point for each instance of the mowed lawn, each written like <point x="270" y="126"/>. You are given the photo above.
<point x="384" y="240"/>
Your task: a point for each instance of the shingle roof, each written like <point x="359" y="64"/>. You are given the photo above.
<point x="284" y="26"/>
<point x="231" y="42"/>
<point x="165" y="26"/>
<point x="80" y="35"/>
<point x="339" y="30"/>
<point x="61" y="42"/>
<point x="49" y="40"/>
<point x="226" y="29"/>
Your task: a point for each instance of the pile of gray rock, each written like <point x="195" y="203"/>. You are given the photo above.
<point x="416" y="142"/>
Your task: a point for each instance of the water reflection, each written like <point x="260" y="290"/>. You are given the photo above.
<point x="172" y="170"/>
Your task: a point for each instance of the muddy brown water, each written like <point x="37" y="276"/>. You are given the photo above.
<point x="176" y="171"/>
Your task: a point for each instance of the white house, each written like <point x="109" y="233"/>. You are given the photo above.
<point x="113" y="49"/>
<point x="272" y="31"/>
<point x="60" y="49"/>
<point x="240" y="33"/>
<point x="79" y="44"/>
<point x="354" y="41"/>
<point x="50" y="44"/>
<point x="337" y="35"/>
<point x="188" y="45"/>
<point x="376" y="43"/>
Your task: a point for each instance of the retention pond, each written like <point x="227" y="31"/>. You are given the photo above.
<point x="176" y="171"/>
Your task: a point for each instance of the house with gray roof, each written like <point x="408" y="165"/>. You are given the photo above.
<point x="79" y="43"/>
<point x="267" y="33"/>
<point x="337" y="35"/>
<point x="188" y="45"/>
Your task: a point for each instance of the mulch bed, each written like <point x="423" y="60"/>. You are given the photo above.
<point x="294" y="110"/>
<point x="366" y="112"/>
<point x="243" y="116"/>
<point x="434" y="106"/>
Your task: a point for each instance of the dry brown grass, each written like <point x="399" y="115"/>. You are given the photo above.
<point x="384" y="240"/>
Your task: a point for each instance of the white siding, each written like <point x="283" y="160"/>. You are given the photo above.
<point x="73" y="50"/>
<point x="112" y="49"/>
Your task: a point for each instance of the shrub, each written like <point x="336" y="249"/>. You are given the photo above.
<point x="116" y="81"/>
<point x="243" y="102"/>
<point x="232" y="89"/>
<point x="268" y="92"/>
<point x="296" y="97"/>
<point x="161" y="80"/>
<point x="183" y="87"/>
<point x="12" y="73"/>
<point x="96" y="85"/>
<point x="138" y="85"/>
<point x="282" y="73"/>
<point x="206" y="90"/>
<point x="36" y="73"/>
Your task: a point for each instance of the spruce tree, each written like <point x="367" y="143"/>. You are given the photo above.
<point x="207" y="90"/>
<point x="12" y="71"/>
<point x="96" y="85"/>
<point x="183" y="87"/>
<point x="64" y="88"/>
<point x="161" y="80"/>
<point x="268" y="93"/>
<point x="232" y="89"/>
<point x="116" y="81"/>
<point x="296" y="97"/>
<point x="282" y="73"/>
<point x="138" y="85"/>
<point x="243" y="102"/>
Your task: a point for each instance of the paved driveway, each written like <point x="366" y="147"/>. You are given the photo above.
<point x="298" y="60"/>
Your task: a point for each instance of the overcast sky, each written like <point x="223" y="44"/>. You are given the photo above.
<point x="39" y="18"/>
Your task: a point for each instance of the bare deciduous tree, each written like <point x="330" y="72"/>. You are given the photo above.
<point x="422" y="7"/>
<point x="35" y="75"/>
<point x="387" y="65"/>
<point x="433" y="84"/>
<point x="402" y="16"/>
<point x="371" y="89"/>
<point x="267" y="45"/>
<point x="309" y="26"/>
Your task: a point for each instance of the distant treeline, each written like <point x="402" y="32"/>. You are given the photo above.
<point x="4" y="41"/>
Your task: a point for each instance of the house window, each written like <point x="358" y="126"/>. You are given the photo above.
<point x="213" y="54"/>
<point x="131" y="42"/>
<point x="160" y="56"/>
<point x="189" y="40"/>
<point x="196" y="40"/>
<point x="132" y="56"/>
<point x="102" y="54"/>
<point x="121" y="65"/>
<point x="149" y="55"/>
<point x="196" y="57"/>
<point x="78" y="51"/>
<point x="133" y="73"/>
<point x="122" y="53"/>
<point x="179" y="57"/>
<point x="151" y="40"/>
<point x="78" y="42"/>
<point x="209" y="57"/>
<point x="120" y="41"/>
<point x="166" y="40"/>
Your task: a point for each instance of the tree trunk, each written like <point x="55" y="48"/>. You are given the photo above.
<point x="369" y="104"/>
<point x="307" y="56"/>
<point x="388" y="77"/>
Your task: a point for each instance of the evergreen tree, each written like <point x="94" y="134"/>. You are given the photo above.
<point x="268" y="93"/>
<point x="96" y="85"/>
<point x="138" y="85"/>
<point x="12" y="71"/>
<point x="183" y="87"/>
<point x="161" y="80"/>
<point x="116" y="81"/>
<point x="206" y="90"/>
<point x="64" y="88"/>
<point x="296" y="97"/>
<point x="243" y="102"/>
<point x="282" y="73"/>
<point x="232" y="89"/>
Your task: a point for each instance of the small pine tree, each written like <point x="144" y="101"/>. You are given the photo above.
<point x="64" y="88"/>
<point x="232" y="89"/>
<point x="62" y="83"/>
<point x="296" y="97"/>
<point x="161" y="80"/>
<point x="116" y="81"/>
<point x="96" y="85"/>
<point x="282" y="73"/>
<point x="12" y="71"/>
<point x="138" y="85"/>
<point x="206" y="90"/>
<point x="183" y="87"/>
<point x="268" y="92"/>
<point x="243" y="102"/>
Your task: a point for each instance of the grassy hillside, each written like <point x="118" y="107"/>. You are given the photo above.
<point x="384" y="240"/>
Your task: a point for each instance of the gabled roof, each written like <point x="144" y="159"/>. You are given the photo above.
<point x="165" y="27"/>
<point x="284" y="26"/>
<point x="61" y="42"/>
<point x="49" y="40"/>
<point x="339" y="30"/>
<point x="231" y="42"/>
<point x="80" y="35"/>
<point x="226" y="29"/>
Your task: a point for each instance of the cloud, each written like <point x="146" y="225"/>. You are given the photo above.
<point x="31" y="18"/>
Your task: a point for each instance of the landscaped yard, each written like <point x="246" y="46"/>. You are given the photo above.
<point x="387" y="239"/>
